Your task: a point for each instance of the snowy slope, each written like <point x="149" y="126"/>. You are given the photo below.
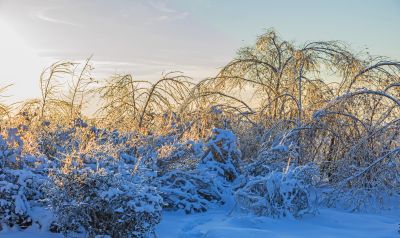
<point x="221" y="223"/>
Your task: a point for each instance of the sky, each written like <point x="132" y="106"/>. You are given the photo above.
<point x="150" y="37"/>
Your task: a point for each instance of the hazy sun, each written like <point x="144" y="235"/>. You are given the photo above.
<point x="20" y="64"/>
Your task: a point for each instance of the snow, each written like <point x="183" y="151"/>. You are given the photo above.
<point x="329" y="223"/>
<point x="225" y="223"/>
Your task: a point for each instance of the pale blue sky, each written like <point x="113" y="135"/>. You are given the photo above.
<point x="361" y="23"/>
<point x="197" y="37"/>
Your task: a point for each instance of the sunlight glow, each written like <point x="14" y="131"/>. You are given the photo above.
<point x="20" y="64"/>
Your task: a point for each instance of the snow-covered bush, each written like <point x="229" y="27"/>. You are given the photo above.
<point x="280" y="194"/>
<point x="279" y="148"/>
<point x="222" y="158"/>
<point x="189" y="191"/>
<point x="54" y="141"/>
<point x="373" y="187"/>
<point x="179" y="156"/>
<point x="16" y="187"/>
<point x="11" y="147"/>
<point x="102" y="202"/>
<point x="270" y="159"/>
<point x="181" y="183"/>
<point x="358" y="153"/>
<point x="275" y="184"/>
<point x="20" y="180"/>
<point x="104" y="187"/>
<point x="251" y="139"/>
<point x="195" y="189"/>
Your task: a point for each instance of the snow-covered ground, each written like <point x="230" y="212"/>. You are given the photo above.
<point x="222" y="223"/>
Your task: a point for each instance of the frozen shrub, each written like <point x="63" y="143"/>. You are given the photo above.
<point x="10" y="149"/>
<point x="190" y="192"/>
<point x="54" y="141"/>
<point x="275" y="158"/>
<point x="278" y="149"/>
<point x="101" y="202"/>
<point x="19" y="185"/>
<point x="223" y="156"/>
<point x="14" y="207"/>
<point x="373" y="187"/>
<point x="19" y="191"/>
<point x="251" y="138"/>
<point x="280" y="194"/>
<point x="179" y="156"/>
<point x="196" y="188"/>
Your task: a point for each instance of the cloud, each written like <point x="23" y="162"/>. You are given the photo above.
<point x="147" y="69"/>
<point x="173" y="17"/>
<point x="168" y="13"/>
<point x="161" y="6"/>
<point x="41" y="14"/>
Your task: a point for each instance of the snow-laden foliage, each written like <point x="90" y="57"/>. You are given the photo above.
<point x="102" y="202"/>
<point x="20" y="180"/>
<point x="103" y="188"/>
<point x="222" y="158"/>
<point x="375" y="187"/>
<point x="278" y="148"/>
<point x="194" y="190"/>
<point x="280" y="194"/>
<point x="94" y="182"/>
<point x="10" y="149"/>
<point x="189" y="191"/>
<point x="19" y="190"/>
<point x="275" y="184"/>
<point x="358" y="154"/>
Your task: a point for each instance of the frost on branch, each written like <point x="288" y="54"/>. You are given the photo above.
<point x="222" y="159"/>
<point x="195" y="190"/>
<point x="20" y="180"/>
<point x="188" y="191"/>
<point x="103" y="202"/>
<point x="280" y="194"/>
